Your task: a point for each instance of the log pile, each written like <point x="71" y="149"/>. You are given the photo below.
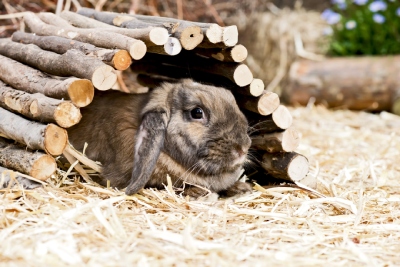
<point x="49" y="72"/>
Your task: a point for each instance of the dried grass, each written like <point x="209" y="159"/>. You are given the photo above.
<point x="353" y="155"/>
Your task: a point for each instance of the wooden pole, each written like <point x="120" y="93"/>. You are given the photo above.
<point x="105" y="39"/>
<point x="150" y="36"/>
<point x="118" y="59"/>
<point x="9" y="176"/>
<point x="72" y="63"/>
<point x="39" y="107"/>
<point x="278" y="121"/>
<point x="238" y="73"/>
<point x="264" y="105"/>
<point x="286" y="141"/>
<point x="288" y="166"/>
<point x="237" y="53"/>
<point x="34" y="135"/>
<point x="189" y="34"/>
<point x="24" y="78"/>
<point x="16" y="157"/>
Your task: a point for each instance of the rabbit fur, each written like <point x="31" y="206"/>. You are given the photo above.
<point x="140" y="139"/>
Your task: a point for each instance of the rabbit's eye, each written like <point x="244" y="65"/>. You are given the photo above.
<point x="197" y="113"/>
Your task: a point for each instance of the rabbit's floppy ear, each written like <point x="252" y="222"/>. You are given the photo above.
<point x="150" y="137"/>
<point x="149" y="142"/>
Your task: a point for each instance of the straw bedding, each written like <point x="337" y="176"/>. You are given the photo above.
<point x="353" y="155"/>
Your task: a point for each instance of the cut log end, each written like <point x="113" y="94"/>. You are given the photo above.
<point x="67" y="115"/>
<point x="230" y="35"/>
<point x="243" y="75"/>
<point x="214" y="33"/>
<point x="256" y="87"/>
<point x="191" y="37"/>
<point x="159" y="36"/>
<point x="138" y="50"/>
<point x="173" y="46"/>
<point x="268" y="103"/>
<point x="43" y="167"/>
<point x="298" y="168"/>
<point x="239" y="53"/>
<point x="122" y="60"/>
<point x="104" y="78"/>
<point x="56" y="140"/>
<point x="282" y="117"/>
<point x="290" y="140"/>
<point x="81" y="92"/>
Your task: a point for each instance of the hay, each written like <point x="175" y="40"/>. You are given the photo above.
<point x="354" y="155"/>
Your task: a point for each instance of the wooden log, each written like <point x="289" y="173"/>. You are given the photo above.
<point x="150" y="36"/>
<point x="168" y="72"/>
<point x="238" y="73"/>
<point x="118" y="59"/>
<point x="9" y="178"/>
<point x="24" y="78"/>
<point x="237" y="53"/>
<point x="105" y="39"/>
<point x="39" y="107"/>
<point x="72" y="63"/>
<point x="152" y="81"/>
<point x="278" y="121"/>
<point x="362" y="83"/>
<point x="172" y="47"/>
<point x="227" y="36"/>
<point x="188" y="33"/>
<point x="286" y="141"/>
<point x="264" y="105"/>
<point x="16" y="157"/>
<point x="255" y="88"/>
<point x="34" y="135"/>
<point x="289" y="166"/>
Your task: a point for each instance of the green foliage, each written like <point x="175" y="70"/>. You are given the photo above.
<point x="364" y="27"/>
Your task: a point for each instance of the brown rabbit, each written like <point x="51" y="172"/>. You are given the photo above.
<point x="194" y="133"/>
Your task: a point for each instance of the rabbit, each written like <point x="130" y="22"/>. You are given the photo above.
<point x="192" y="132"/>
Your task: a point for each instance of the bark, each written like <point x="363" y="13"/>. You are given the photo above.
<point x="286" y="141"/>
<point x="9" y="176"/>
<point x="72" y="63"/>
<point x="56" y="26"/>
<point x="238" y="53"/>
<point x="39" y="107"/>
<point x="288" y="166"/>
<point x="24" y="78"/>
<point x="188" y="33"/>
<point x="118" y="59"/>
<point x="238" y="73"/>
<point x="150" y="35"/>
<point x="153" y="81"/>
<point x="264" y="105"/>
<point x="34" y="135"/>
<point x="162" y="72"/>
<point x="363" y="83"/>
<point x="278" y="121"/>
<point x="16" y="157"/>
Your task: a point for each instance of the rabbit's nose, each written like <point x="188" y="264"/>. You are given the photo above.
<point x="239" y="151"/>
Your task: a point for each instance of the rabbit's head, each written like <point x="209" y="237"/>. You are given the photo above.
<point x="198" y="126"/>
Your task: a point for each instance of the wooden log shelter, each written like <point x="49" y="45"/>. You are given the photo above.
<point x="54" y="68"/>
